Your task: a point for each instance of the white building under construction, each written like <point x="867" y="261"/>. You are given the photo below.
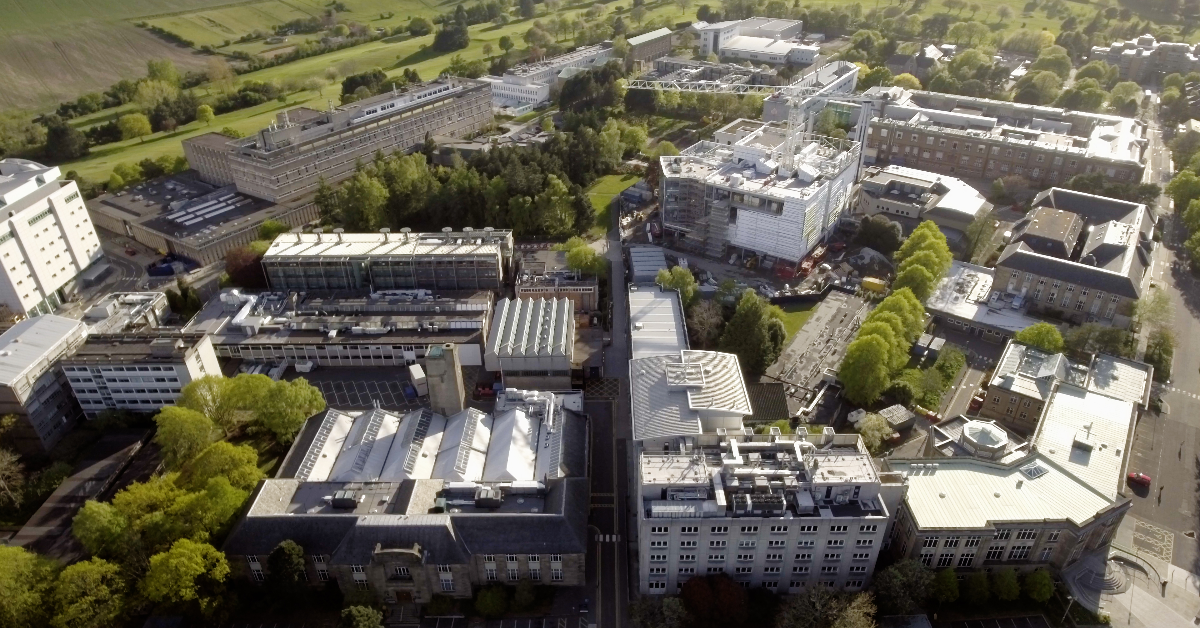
<point x="737" y="196"/>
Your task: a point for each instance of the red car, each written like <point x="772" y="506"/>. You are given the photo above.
<point x="1140" y="478"/>
<point x="976" y="403"/>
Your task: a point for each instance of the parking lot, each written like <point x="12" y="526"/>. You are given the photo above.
<point x="1032" y="621"/>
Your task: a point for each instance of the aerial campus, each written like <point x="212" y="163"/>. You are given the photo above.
<point x="640" y="315"/>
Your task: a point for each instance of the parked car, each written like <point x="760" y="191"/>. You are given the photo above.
<point x="1140" y="478"/>
<point x="976" y="402"/>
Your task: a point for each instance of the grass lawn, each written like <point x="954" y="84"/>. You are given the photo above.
<point x="601" y="194"/>
<point x="794" y="317"/>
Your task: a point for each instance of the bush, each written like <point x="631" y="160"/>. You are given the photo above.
<point x="492" y="601"/>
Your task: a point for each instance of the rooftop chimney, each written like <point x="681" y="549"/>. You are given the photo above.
<point x="447" y="231"/>
<point x="339" y="232"/>
<point x="406" y="231"/>
<point x="385" y="231"/>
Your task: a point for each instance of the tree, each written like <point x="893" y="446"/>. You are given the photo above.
<point x="1042" y="336"/>
<point x="12" y="478"/>
<point x="680" y="280"/>
<point x="134" y="125"/>
<point x="102" y="529"/>
<point x="214" y="397"/>
<point x="976" y="591"/>
<point x="182" y="434"/>
<point x="286" y="573"/>
<point x="879" y="233"/>
<point x="715" y="601"/>
<point x="944" y="589"/>
<point x="903" y="587"/>
<point x="584" y="259"/>
<point x="419" y="26"/>
<point x="874" y="430"/>
<point x="163" y="70"/>
<point x="918" y="279"/>
<point x="864" y="369"/>
<point x="287" y="406"/>
<point x="25" y="581"/>
<point x="88" y="594"/>
<point x="1123" y="93"/>
<point x="271" y="229"/>
<point x="665" y="149"/>
<point x="506" y="43"/>
<point x="876" y="76"/>
<point x="1154" y="310"/>
<point x="1004" y="13"/>
<point x="237" y="463"/>
<point x="816" y="608"/>
<point x="527" y="8"/>
<point x="189" y="571"/>
<point x="363" y="202"/>
<point x="492" y="601"/>
<point x="754" y="333"/>
<point x="1005" y="586"/>
<point x="204" y="113"/>
<point x="705" y="321"/>
<point x="63" y="141"/>
<point x="1038" y="586"/>
<point x="361" y="617"/>
<point x="907" y="81"/>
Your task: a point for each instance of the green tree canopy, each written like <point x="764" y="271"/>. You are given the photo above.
<point x="287" y="405"/>
<point x="238" y="463"/>
<point x="286" y="575"/>
<point x="874" y="430"/>
<point x="754" y="334"/>
<point x="1042" y="336"/>
<point x="188" y="572"/>
<point x="360" y="617"/>
<point x="864" y="370"/>
<point x="1038" y="586"/>
<point x="271" y="229"/>
<point x="182" y="434"/>
<point x="944" y="589"/>
<point x="918" y="279"/>
<point x="88" y="594"/>
<point x="681" y="280"/>
<point x="492" y="601"/>
<point x="903" y="587"/>
<point x="976" y="590"/>
<point x="25" y="581"/>
<point x="1004" y="585"/>
<point x="907" y="81"/>
<point x="134" y="125"/>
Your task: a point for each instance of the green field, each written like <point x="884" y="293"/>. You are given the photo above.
<point x="215" y="26"/>
<point x="601" y="194"/>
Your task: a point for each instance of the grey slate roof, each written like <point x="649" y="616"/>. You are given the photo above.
<point x="1092" y="207"/>
<point x="521" y="533"/>
<point x="1018" y="256"/>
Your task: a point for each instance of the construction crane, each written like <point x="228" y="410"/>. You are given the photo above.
<point x="799" y="122"/>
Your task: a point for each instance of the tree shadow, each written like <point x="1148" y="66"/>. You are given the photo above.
<point x="424" y="54"/>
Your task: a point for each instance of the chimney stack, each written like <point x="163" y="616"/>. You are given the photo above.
<point x="443" y="372"/>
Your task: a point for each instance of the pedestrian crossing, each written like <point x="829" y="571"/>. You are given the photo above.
<point x="1183" y="392"/>
<point x="608" y="538"/>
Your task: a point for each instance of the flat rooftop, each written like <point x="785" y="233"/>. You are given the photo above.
<point x="965" y="493"/>
<point x="185" y="209"/>
<point x="967" y="293"/>
<point x="167" y="347"/>
<point x="1088" y="434"/>
<point x="656" y="322"/>
<point x="33" y="342"/>
<point x="673" y="395"/>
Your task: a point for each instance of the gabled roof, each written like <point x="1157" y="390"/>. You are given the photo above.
<point x="434" y="533"/>
<point x="1018" y="256"/>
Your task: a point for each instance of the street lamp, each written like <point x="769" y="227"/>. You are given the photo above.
<point x="1070" y="600"/>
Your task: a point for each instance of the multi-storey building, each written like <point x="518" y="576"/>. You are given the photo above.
<point x="921" y="65"/>
<point x="649" y="46"/>
<point x="785" y="512"/>
<point x="408" y="507"/>
<point x="529" y="84"/>
<point x="757" y="39"/>
<point x="288" y="159"/>
<point x="1082" y="256"/>
<point x="32" y="386"/>
<point x="1147" y="59"/>
<point x="1026" y="381"/>
<point x="831" y="79"/>
<point x="736" y="196"/>
<point x="977" y="137"/>
<point x="914" y="195"/>
<point x="545" y="274"/>
<point x="321" y="262"/>
<point x="684" y="69"/>
<point x="140" y="372"/>
<point x="46" y="237"/>
<point x="390" y="328"/>
<point x="967" y="301"/>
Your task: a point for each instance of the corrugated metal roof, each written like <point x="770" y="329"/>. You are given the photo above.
<point x="662" y="406"/>
<point x="651" y="36"/>
<point x="381" y="245"/>
<point x="533" y="328"/>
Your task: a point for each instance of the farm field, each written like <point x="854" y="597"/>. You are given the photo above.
<point x="217" y="25"/>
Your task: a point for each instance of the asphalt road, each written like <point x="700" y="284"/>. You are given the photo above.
<point x="1166" y="446"/>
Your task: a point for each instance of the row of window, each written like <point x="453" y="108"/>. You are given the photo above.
<point x="660" y="585"/>
<point x="772" y="557"/>
<point x="775" y="529"/>
<point x="754" y="543"/>
<point x="1024" y="534"/>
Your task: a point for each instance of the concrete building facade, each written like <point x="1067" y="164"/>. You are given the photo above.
<point x="46" y="237"/>
<point x="288" y="159"/>
<point x="649" y="46"/>
<point x="140" y="372"/>
<point x="1146" y="59"/>
<point x="757" y="39"/>
<point x="531" y="343"/>
<point x="914" y="195"/>
<point x="526" y="85"/>
<point x="545" y="275"/>
<point x="32" y="386"/>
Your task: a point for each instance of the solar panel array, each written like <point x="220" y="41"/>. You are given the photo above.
<point x="468" y="439"/>
<point x="318" y="444"/>
<point x="209" y="209"/>
<point x="368" y="439"/>
<point x="418" y="440"/>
